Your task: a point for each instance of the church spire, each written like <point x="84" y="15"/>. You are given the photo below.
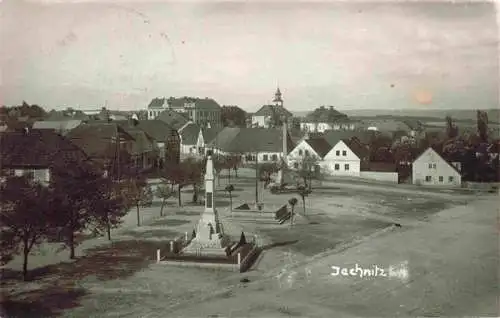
<point x="278" y="101"/>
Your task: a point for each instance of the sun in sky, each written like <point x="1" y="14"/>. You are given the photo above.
<point x="423" y="96"/>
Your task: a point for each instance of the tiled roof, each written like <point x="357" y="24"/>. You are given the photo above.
<point x="172" y="118"/>
<point x="359" y="150"/>
<point x="37" y="148"/>
<point x="199" y="103"/>
<point x="386" y="125"/>
<point x="57" y="125"/>
<point x="334" y="136"/>
<point x="96" y="139"/>
<point x="156" y="129"/>
<point x="209" y="134"/>
<point x="157" y="103"/>
<point x="143" y="143"/>
<point x="190" y="134"/>
<point x="270" y="110"/>
<point x="242" y="140"/>
<point x="320" y="145"/>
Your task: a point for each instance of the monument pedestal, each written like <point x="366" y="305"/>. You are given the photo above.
<point x="209" y="240"/>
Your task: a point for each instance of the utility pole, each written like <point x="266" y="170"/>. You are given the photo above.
<point x="117" y="154"/>
<point x="256" y="178"/>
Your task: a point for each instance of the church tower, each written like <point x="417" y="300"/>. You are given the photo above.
<point x="278" y="101"/>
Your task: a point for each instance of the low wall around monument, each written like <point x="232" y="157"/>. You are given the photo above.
<point x="249" y="259"/>
<point x="248" y="254"/>
<point x="199" y="264"/>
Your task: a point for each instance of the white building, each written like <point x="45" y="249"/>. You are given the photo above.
<point x="315" y="127"/>
<point x="431" y="169"/>
<point x="344" y="159"/>
<point x="265" y="116"/>
<point x="316" y="148"/>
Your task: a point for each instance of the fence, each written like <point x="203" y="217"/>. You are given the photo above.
<point x="380" y="176"/>
<point x="480" y="185"/>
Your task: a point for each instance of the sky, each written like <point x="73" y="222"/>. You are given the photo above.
<point x="354" y="55"/>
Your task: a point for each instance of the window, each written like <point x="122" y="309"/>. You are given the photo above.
<point x="432" y="166"/>
<point x="306" y="152"/>
<point x="296" y="165"/>
<point x="346" y="167"/>
<point x="344" y="153"/>
<point x="275" y="157"/>
<point x="300" y="152"/>
<point x="337" y="167"/>
<point x="337" y="153"/>
<point x="265" y="157"/>
<point x="450" y="179"/>
<point x="428" y="178"/>
<point x="440" y="178"/>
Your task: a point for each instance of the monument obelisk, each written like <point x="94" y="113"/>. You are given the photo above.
<point x="210" y="238"/>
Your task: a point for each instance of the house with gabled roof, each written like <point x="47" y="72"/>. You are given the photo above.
<point x="60" y="126"/>
<point x="103" y="142"/>
<point x="345" y="158"/>
<point x="189" y="138"/>
<point x="266" y="143"/>
<point x="270" y="113"/>
<point x="34" y="153"/>
<point x="317" y="148"/>
<point x="173" y="119"/>
<point x="156" y="129"/>
<point x="430" y="169"/>
<point x="205" y="136"/>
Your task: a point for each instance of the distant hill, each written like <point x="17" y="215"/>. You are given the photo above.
<point x="422" y="114"/>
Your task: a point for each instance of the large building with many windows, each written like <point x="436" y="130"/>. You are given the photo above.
<point x="205" y="112"/>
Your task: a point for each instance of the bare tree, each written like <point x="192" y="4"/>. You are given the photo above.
<point x="230" y="189"/>
<point x="293" y="202"/>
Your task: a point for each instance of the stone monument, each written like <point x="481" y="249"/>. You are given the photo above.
<point x="210" y="238"/>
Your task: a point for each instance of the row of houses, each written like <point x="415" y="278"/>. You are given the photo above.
<point x="140" y="144"/>
<point x="151" y="141"/>
<point x="335" y="154"/>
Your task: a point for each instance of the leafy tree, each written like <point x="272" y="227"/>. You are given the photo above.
<point x="303" y="192"/>
<point x="192" y="170"/>
<point x="293" y="202"/>
<point x="110" y="207"/>
<point x="307" y="170"/>
<point x="164" y="192"/>
<point x="176" y="175"/>
<point x="482" y="125"/>
<point x="266" y="170"/>
<point x="219" y="164"/>
<point x="139" y="194"/>
<point x="75" y="191"/>
<point x="451" y="128"/>
<point x="230" y="189"/>
<point x="233" y="116"/>
<point x="25" y="217"/>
